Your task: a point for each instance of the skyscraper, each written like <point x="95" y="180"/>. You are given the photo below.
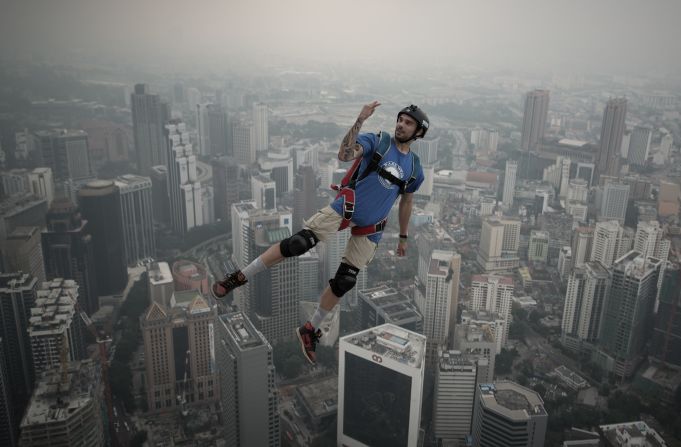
<point x="17" y="296"/>
<point x="454" y="398"/>
<point x="628" y="313"/>
<point x="249" y="397"/>
<point x="614" y="202"/>
<point x="508" y="414"/>
<point x="639" y="145"/>
<point x="226" y="187"/>
<point x="608" y="158"/>
<point x="243" y="143"/>
<point x="534" y="119"/>
<point x="493" y="294"/>
<point x="184" y="189"/>
<point x="499" y="242"/>
<point x="100" y="201"/>
<point x="264" y="192"/>
<point x="161" y="284"/>
<point x="587" y="291"/>
<point x="65" y="152"/>
<point x="666" y="340"/>
<point x="261" y="127"/>
<point x="41" y="184"/>
<point x="137" y="215"/>
<point x="69" y="252"/>
<point x="24" y="252"/>
<point x="380" y="387"/>
<point x="211" y="124"/>
<point x="9" y="429"/>
<point x="477" y="341"/>
<point x="509" y="183"/>
<point x="538" y="250"/>
<point x="582" y="239"/>
<point x="305" y="195"/>
<point x="159" y="192"/>
<point x="610" y="242"/>
<point x="149" y="115"/>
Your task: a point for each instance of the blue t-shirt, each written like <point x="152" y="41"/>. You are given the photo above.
<point x="374" y="195"/>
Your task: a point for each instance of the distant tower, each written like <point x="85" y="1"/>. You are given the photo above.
<point x="614" y="202"/>
<point x="639" y="145"/>
<point x="149" y="115"/>
<point x="509" y="183"/>
<point x="612" y="129"/>
<point x="493" y="294"/>
<point x="226" y="187"/>
<point x="137" y="214"/>
<point x="380" y="387"/>
<point x="66" y="153"/>
<point x="261" y="127"/>
<point x="534" y="119"/>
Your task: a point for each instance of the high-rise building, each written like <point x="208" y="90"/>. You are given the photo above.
<point x="454" y="396"/>
<point x="24" y="252"/>
<point x="427" y="150"/>
<point x="249" y="397"/>
<point x="380" y="387"/>
<point x="614" y="202"/>
<point x="41" y="184"/>
<point x="509" y="183"/>
<point x="55" y="324"/>
<point x="564" y="262"/>
<point x="508" y="414"/>
<point x="159" y="193"/>
<point x="264" y="192"/>
<point x="226" y="187"/>
<point x="137" y="214"/>
<point x="17" y="296"/>
<point x="261" y="127"/>
<point x="383" y="304"/>
<point x="436" y="294"/>
<point x="668" y="199"/>
<point x="587" y="290"/>
<point x="65" y="152"/>
<point x="639" y="145"/>
<point x="610" y="242"/>
<point x="628" y="313"/>
<point x="309" y="266"/>
<point x="65" y="413"/>
<point x="582" y="239"/>
<point x="184" y="189"/>
<point x="666" y="340"/>
<point x="243" y="143"/>
<point x="212" y="129"/>
<point x="161" y="283"/>
<point x="149" y="115"/>
<point x="499" y="243"/>
<point x="100" y="202"/>
<point x="477" y="341"/>
<point x="305" y="195"/>
<point x="278" y="166"/>
<point x="9" y="429"/>
<point x="485" y="139"/>
<point x="608" y="159"/>
<point x="179" y="352"/>
<point x="534" y="119"/>
<point x="649" y="241"/>
<point x="493" y="294"/>
<point x="538" y="250"/>
<point x="69" y="251"/>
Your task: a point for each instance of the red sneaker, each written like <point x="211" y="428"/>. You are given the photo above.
<point x="308" y="341"/>
<point x="230" y="282"/>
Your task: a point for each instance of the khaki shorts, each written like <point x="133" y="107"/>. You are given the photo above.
<point x="360" y="250"/>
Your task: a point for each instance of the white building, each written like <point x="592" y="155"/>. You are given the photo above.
<point x="41" y="184"/>
<point x="380" y="387"/>
<point x="161" y="285"/>
<point x="137" y="214"/>
<point x="493" y="294"/>
<point x="264" y="192"/>
<point x="454" y="395"/>
<point x="610" y="241"/>
<point x="261" y="127"/>
<point x="639" y="145"/>
<point x="614" y="202"/>
<point x="509" y="183"/>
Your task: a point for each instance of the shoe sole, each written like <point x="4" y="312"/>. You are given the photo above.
<point x="212" y="292"/>
<point x="302" y="345"/>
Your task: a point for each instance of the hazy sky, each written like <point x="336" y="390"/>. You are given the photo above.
<point x="551" y="35"/>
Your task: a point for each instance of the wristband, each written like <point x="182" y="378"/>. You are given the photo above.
<point x="403" y="236"/>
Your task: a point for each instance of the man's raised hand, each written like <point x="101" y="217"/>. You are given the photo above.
<point x="368" y="110"/>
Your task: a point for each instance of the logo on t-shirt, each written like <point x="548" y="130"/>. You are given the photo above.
<point x="394" y="169"/>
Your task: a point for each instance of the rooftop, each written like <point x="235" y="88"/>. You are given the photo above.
<point x="242" y="331"/>
<point x="632" y="433"/>
<point x="392" y="305"/>
<point x="391" y="342"/>
<point x="511" y="400"/>
<point x="455" y="361"/>
<point x="321" y="398"/>
<point x="635" y="265"/>
<point x="54" y="308"/>
<point x="159" y="273"/>
<point x="506" y="280"/>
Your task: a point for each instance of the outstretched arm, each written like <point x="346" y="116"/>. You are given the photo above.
<point x="349" y="148"/>
<point x="406" y="204"/>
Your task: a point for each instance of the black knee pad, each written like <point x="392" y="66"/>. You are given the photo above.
<point x="299" y="243"/>
<point x="345" y="279"/>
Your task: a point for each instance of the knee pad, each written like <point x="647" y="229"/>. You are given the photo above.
<point x="299" y="243"/>
<point x="345" y="279"/>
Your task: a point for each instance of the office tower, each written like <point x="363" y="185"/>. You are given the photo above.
<point x="159" y="193"/>
<point x="226" y="187"/>
<point x="65" y="413"/>
<point x="149" y="115"/>
<point x="608" y="158"/>
<point x="666" y="340"/>
<point x="55" y="324"/>
<point x="582" y="240"/>
<point x="68" y="251"/>
<point x="212" y="129"/>
<point x="485" y="139"/>
<point x="9" y="432"/>
<point x="564" y="262"/>
<point x="179" y="353"/>
<point x="564" y="177"/>
<point x="664" y="150"/>
<point x="628" y="313"/>
<point x="578" y="190"/>
<point x="508" y="414"/>
<point x="493" y="321"/>
<point x="278" y="166"/>
<point x="305" y="195"/>
<point x="309" y="266"/>
<point x="380" y="387"/>
<point x="202" y="129"/>
<point x="668" y="198"/>
<point x="436" y="293"/>
<point x="493" y="294"/>
<point x="454" y="398"/>
<point x="587" y="291"/>
<point x="17" y="295"/>
<point x="383" y="304"/>
<point x="610" y="242"/>
<point x="189" y="275"/>
<point x="499" y="243"/>
<point x="137" y="215"/>
<point x="24" y="253"/>
<point x="207" y="208"/>
<point x="649" y="240"/>
<point x="534" y="119"/>
<point x="264" y="192"/>
<point x="184" y="189"/>
<point x="100" y="202"/>
<point x="65" y="152"/>
<point x="14" y="182"/>
<point x="614" y="202"/>
<point x="240" y="227"/>
<point x="538" y="250"/>
<point x="427" y="150"/>
<point x="243" y="143"/>
<point x="477" y="341"/>
<point x="626" y="141"/>
<point x="639" y="145"/>
<point x="511" y="241"/>
<point x="260" y="127"/>
<point x="586" y="172"/>
<point x="509" y="183"/>
<point x="41" y="184"/>
<point x="249" y="398"/>
<point x="161" y="284"/>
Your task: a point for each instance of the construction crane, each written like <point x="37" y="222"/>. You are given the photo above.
<point x="182" y="398"/>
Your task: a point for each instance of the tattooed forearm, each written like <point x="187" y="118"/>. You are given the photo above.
<point x="349" y="148"/>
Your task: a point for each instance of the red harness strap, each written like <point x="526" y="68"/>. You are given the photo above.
<point x="348" y="195"/>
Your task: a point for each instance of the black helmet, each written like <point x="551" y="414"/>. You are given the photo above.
<point x="422" y="121"/>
